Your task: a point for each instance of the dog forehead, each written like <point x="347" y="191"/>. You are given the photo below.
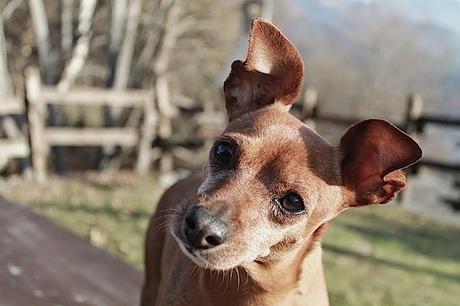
<point x="255" y="140"/>
<point x="273" y="129"/>
<point x="260" y="121"/>
<point x="272" y="141"/>
<point x="275" y="144"/>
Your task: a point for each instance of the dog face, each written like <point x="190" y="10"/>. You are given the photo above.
<point x="271" y="181"/>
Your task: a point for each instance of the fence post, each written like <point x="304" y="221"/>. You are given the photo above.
<point x="144" y="158"/>
<point x="166" y="113"/>
<point x="413" y="115"/>
<point x="310" y="106"/>
<point x="36" y="114"/>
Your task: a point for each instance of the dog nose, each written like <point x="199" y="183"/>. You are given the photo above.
<point x="204" y="230"/>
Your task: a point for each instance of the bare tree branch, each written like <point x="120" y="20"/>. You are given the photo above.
<point x="81" y="49"/>
<point x="167" y="38"/>
<point x="40" y="24"/>
<point x="118" y="24"/>
<point x="126" y="55"/>
<point x="9" y="8"/>
<point x="67" y="25"/>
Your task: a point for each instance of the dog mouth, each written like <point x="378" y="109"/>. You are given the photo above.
<point x="197" y="256"/>
<point x="222" y="258"/>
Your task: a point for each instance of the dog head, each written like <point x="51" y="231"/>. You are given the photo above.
<point x="270" y="180"/>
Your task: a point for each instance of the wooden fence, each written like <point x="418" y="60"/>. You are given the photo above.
<point x="43" y="137"/>
<point x="14" y="145"/>
<point x="414" y="124"/>
<point x="144" y="137"/>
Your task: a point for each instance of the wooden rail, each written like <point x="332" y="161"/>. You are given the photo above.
<point x="439" y="120"/>
<point x="12" y="106"/>
<point x="440" y="165"/>
<point x="43" y="137"/>
<point x="65" y="136"/>
<point x="414" y="124"/>
<point x="95" y="96"/>
<point x="16" y="144"/>
<point x="311" y="114"/>
<point x="142" y="137"/>
<point x="14" y="148"/>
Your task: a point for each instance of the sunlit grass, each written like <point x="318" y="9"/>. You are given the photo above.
<point x="386" y="256"/>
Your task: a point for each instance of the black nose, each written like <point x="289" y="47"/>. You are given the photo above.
<point x="204" y="230"/>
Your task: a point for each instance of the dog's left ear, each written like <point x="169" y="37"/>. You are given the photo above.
<point x="271" y="73"/>
<point x="374" y="153"/>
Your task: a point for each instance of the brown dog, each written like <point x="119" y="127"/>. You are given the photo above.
<point x="247" y="231"/>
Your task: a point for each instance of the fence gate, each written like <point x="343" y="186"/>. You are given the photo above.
<point x="42" y="137"/>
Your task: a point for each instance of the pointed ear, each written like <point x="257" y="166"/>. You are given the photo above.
<point x="271" y="73"/>
<point x="374" y="152"/>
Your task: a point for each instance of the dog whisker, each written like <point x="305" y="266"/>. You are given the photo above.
<point x="238" y="279"/>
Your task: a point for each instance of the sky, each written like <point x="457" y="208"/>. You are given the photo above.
<point x="445" y="13"/>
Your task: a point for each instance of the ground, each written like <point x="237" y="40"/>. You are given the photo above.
<point x="378" y="256"/>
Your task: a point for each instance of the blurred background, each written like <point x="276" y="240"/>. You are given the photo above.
<point x="104" y="104"/>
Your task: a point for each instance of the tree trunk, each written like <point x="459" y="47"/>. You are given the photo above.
<point x="10" y="126"/>
<point x="162" y="56"/>
<point x="124" y="61"/>
<point x="121" y="71"/>
<point x="40" y="25"/>
<point x="6" y="87"/>
<point x="119" y="12"/>
<point x="125" y="56"/>
<point x="67" y="25"/>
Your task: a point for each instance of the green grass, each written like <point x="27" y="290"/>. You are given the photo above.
<point x="386" y="256"/>
<point x="373" y="256"/>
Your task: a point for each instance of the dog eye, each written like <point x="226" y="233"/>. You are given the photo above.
<point x="224" y="154"/>
<point x="291" y="203"/>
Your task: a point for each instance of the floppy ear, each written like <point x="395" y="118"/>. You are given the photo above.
<point x="374" y="152"/>
<point x="271" y="73"/>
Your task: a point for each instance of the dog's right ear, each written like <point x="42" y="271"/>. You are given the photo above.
<point x="271" y="73"/>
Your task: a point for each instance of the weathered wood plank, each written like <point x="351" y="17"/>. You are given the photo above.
<point x="93" y="96"/>
<point x="440" y="120"/>
<point x="12" y="106"/>
<point x="440" y="165"/>
<point x="43" y="264"/>
<point x="15" y="148"/>
<point x="91" y="136"/>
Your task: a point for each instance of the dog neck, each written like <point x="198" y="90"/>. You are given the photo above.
<point x="265" y="282"/>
